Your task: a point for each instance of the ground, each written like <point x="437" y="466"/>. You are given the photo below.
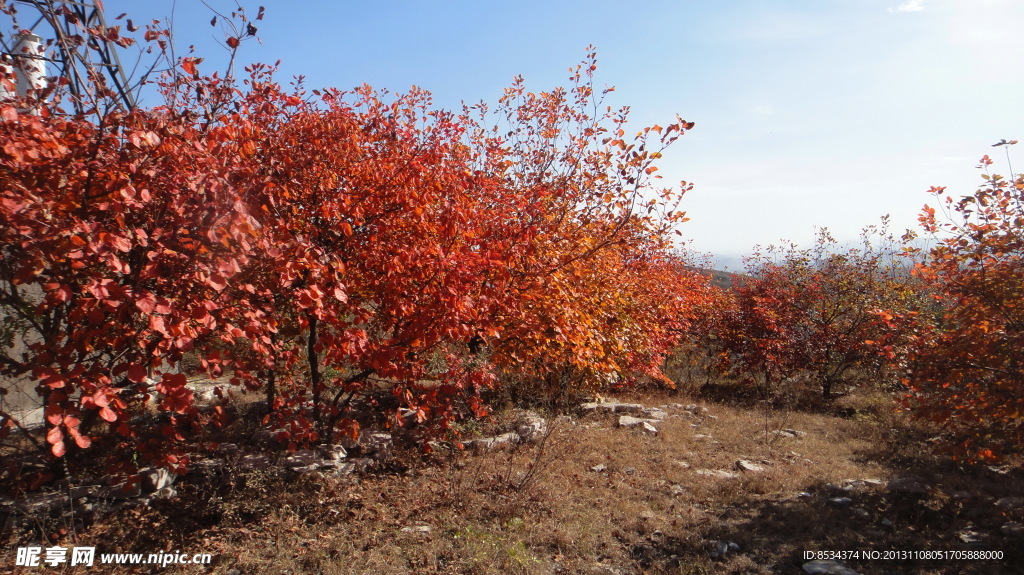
<point x="592" y="497"/>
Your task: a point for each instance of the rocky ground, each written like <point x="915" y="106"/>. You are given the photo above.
<point x="649" y="485"/>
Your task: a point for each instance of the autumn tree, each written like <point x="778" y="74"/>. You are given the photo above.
<point x="809" y="313"/>
<point x="331" y="248"/>
<point x="963" y="365"/>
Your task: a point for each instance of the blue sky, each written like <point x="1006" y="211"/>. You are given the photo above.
<point x="808" y="113"/>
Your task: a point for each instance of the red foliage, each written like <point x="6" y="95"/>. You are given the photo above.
<point x="329" y="247"/>
<point x="811" y="313"/>
<point x="963" y="361"/>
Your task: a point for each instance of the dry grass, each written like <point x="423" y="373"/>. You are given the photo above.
<point x="542" y="509"/>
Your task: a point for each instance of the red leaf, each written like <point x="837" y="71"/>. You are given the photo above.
<point x="146" y="302"/>
<point x="189" y="65"/>
<point x="108" y="415"/>
<point x="136" y="373"/>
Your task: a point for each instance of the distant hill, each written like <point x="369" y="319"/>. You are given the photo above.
<point x="723" y="279"/>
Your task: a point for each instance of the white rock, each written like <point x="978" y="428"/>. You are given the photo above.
<point x="840" y="501"/>
<point x="301" y="458"/>
<point x="629" y="422"/>
<point x="716" y="473"/>
<point x="417" y="530"/>
<point x="205" y="467"/>
<point x="491" y="443"/>
<point x="744" y="465"/>
<point x="376" y="443"/>
<point x="654" y="413"/>
<point x="155" y="478"/>
<point x="254" y="462"/>
<point x="332" y="452"/>
<point x="164" y="493"/>
<point x="1012" y="529"/>
<point x="1009" y="503"/>
<point x="301" y="469"/>
<point x="970" y="536"/>
<point x="531" y="426"/>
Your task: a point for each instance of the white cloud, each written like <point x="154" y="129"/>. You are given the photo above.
<point x="909" y="6"/>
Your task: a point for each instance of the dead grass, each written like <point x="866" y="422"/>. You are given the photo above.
<point x="652" y="508"/>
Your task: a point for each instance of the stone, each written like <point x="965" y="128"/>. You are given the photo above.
<point x="254" y="462"/>
<point x="206" y="467"/>
<point x="861" y="512"/>
<point x="887" y="523"/>
<point x="683" y="464"/>
<point x="840" y="501"/>
<point x="301" y="469"/>
<point x="654" y="413"/>
<point x="677" y="489"/>
<point x="785" y="434"/>
<point x="84" y="491"/>
<point x="648" y="428"/>
<point x="854" y="484"/>
<point x="344" y="468"/>
<point x="840" y="488"/>
<point x="331" y="452"/>
<point x="492" y="443"/>
<point x="162" y="495"/>
<point x="301" y="458"/>
<point x="228" y="449"/>
<point x="702" y="437"/>
<point x="629" y="471"/>
<point x="908" y="485"/>
<point x="629" y="421"/>
<point x="376" y="444"/>
<point x="600" y="468"/>
<point x="827" y="567"/>
<point x="417" y="529"/>
<point x="1009" y="503"/>
<point x="716" y="473"/>
<point x="631" y="408"/>
<point x="41" y="503"/>
<point x="719" y="548"/>
<point x="1012" y="529"/>
<point x="969" y="536"/>
<point x="155" y="478"/>
<point x="530" y="426"/>
<point x="744" y="465"/>
<point x="122" y="491"/>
